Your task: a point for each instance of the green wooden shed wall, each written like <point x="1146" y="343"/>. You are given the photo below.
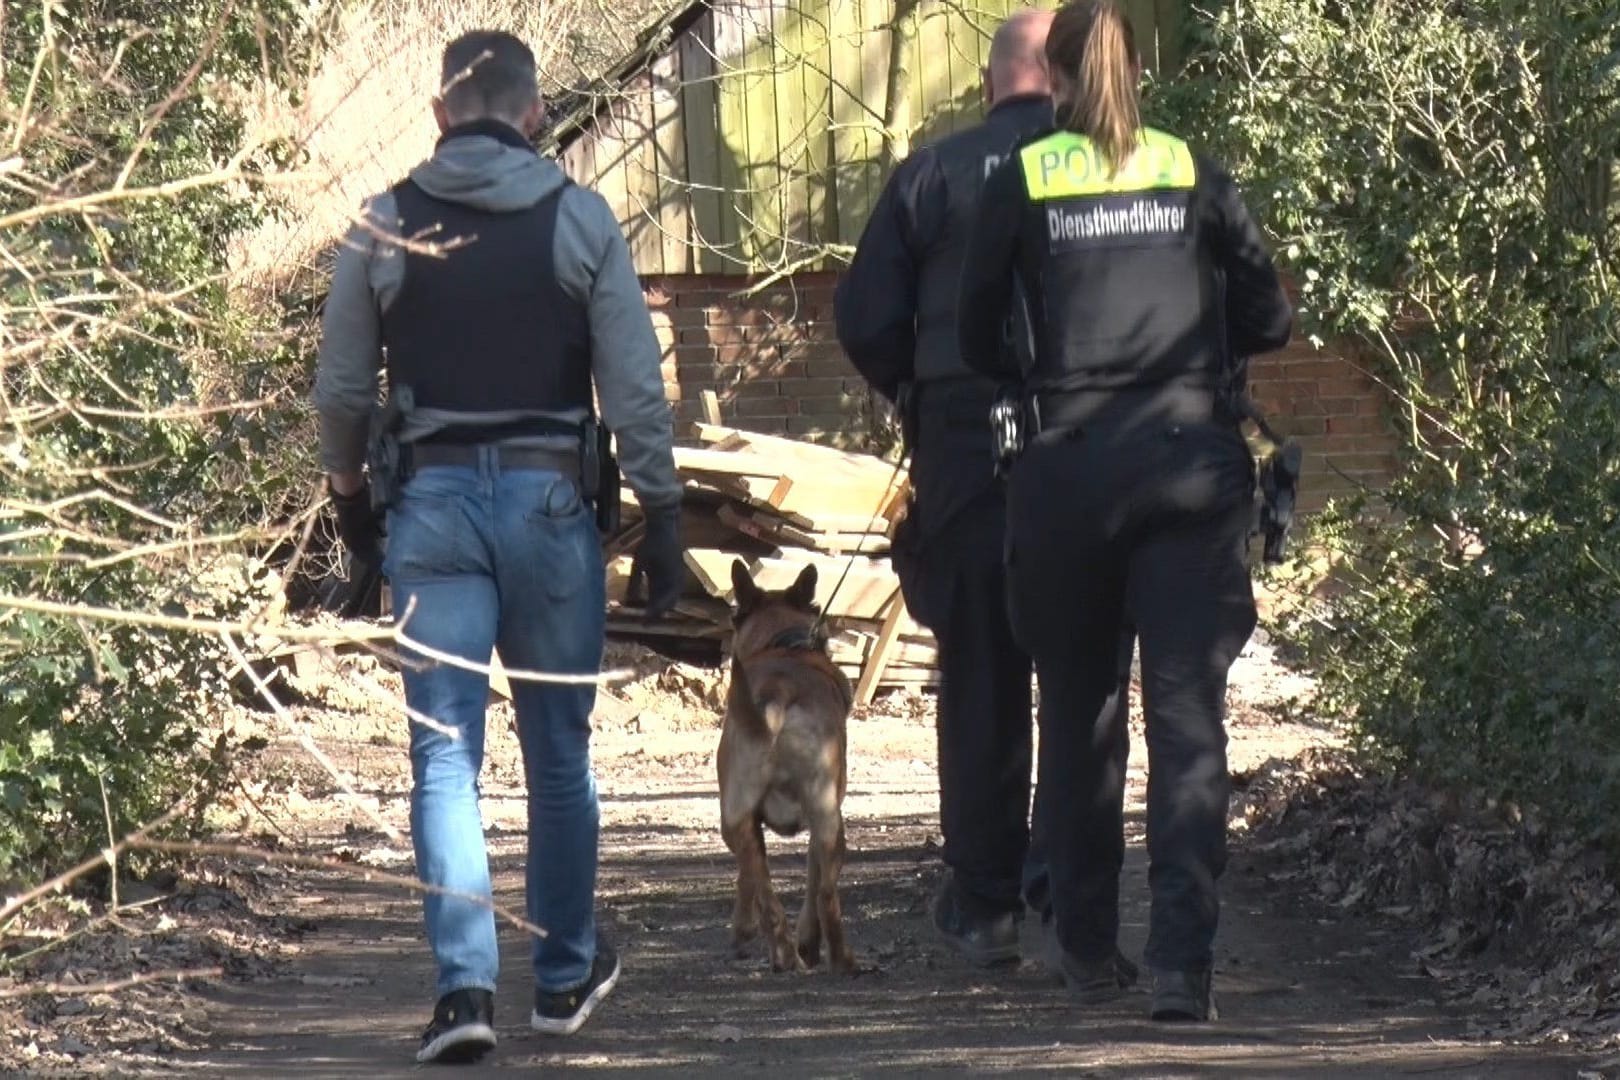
<point x="748" y="136"/>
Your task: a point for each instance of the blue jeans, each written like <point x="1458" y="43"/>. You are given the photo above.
<point x="486" y="559"/>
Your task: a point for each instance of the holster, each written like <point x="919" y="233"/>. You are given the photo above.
<point x="383" y="459"/>
<point x="599" y="474"/>
<point x="1277" y="475"/>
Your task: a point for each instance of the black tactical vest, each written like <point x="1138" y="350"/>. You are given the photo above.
<point x="965" y="159"/>
<point x="1120" y="279"/>
<point x="485" y="326"/>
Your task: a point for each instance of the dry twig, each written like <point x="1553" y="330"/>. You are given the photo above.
<point x="344" y="783"/>
<point x="317" y="862"/>
<point x="14" y="904"/>
<point x="57" y="989"/>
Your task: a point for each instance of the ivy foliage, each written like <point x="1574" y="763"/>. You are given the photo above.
<point x="1440" y="181"/>
<point x="128" y="470"/>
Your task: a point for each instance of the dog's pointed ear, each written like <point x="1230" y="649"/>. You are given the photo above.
<point x="803" y="592"/>
<point x="748" y="595"/>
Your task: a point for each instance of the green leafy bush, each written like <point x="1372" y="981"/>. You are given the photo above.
<point x="1440" y="180"/>
<point x="131" y="478"/>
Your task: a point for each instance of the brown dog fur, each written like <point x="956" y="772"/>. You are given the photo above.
<point x="782" y="765"/>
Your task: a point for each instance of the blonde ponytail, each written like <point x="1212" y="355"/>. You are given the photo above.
<point x="1093" y="44"/>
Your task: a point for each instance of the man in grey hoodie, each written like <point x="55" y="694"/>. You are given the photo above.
<point x="499" y="295"/>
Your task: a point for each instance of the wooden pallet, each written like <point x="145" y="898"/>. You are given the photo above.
<point x="779" y="505"/>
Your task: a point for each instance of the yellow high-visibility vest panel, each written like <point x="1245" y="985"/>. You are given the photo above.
<point x="1069" y="165"/>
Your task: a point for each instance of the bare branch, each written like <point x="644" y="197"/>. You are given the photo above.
<point x="231" y="173"/>
<point x="52" y="510"/>
<point x="111" y="850"/>
<point x="288" y="632"/>
<point x="351" y="632"/>
<point x="61" y="881"/>
<point x="47" y="46"/>
<point x="344" y="783"/>
<point x="178" y="94"/>
<point x="317" y="862"/>
<point x="56" y="989"/>
<point x="512" y="674"/>
<point x="130" y="554"/>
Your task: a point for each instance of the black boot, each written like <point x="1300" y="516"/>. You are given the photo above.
<point x="1183" y="996"/>
<point x="1094" y="982"/>
<point x="983" y="940"/>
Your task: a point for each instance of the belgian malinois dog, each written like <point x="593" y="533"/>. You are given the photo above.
<point x="782" y="765"/>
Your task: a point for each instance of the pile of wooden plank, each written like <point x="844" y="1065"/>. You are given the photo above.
<point x="780" y="505"/>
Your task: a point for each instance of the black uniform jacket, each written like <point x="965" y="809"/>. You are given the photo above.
<point x="896" y="305"/>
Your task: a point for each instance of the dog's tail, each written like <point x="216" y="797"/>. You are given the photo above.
<point x="770" y="700"/>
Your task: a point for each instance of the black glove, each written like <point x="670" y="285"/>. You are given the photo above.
<point x="359" y="525"/>
<point x="659" y="559"/>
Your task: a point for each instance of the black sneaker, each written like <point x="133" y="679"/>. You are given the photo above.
<point x="1183" y="996"/>
<point x="565" y="1012"/>
<point x="984" y="941"/>
<point x="1097" y="981"/>
<point x="463" y="1028"/>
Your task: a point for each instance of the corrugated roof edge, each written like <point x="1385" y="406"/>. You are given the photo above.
<point x="571" y="115"/>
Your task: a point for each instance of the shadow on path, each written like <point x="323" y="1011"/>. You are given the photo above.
<point x="1300" y="996"/>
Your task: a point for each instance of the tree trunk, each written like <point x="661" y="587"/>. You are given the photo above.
<point x="897" y="89"/>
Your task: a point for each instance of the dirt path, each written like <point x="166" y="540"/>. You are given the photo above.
<point x="1301" y="995"/>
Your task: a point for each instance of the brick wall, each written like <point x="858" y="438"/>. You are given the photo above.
<point x="774" y="362"/>
<point x="772" y="358"/>
<point x="1336" y="411"/>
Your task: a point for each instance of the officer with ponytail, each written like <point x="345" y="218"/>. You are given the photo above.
<point x="1146" y="282"/>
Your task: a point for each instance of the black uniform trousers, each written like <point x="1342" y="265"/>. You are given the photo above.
<point x="1112" y="725"/>
<point x="1132" y="517"/>
<point x="953" y="575"/>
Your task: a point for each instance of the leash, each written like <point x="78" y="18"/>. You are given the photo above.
<point x="819" y="626"/>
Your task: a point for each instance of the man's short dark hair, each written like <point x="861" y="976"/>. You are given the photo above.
<point x="488" y="73"/>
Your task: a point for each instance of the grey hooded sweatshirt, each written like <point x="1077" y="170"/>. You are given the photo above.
<point x="594" y="268"/>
